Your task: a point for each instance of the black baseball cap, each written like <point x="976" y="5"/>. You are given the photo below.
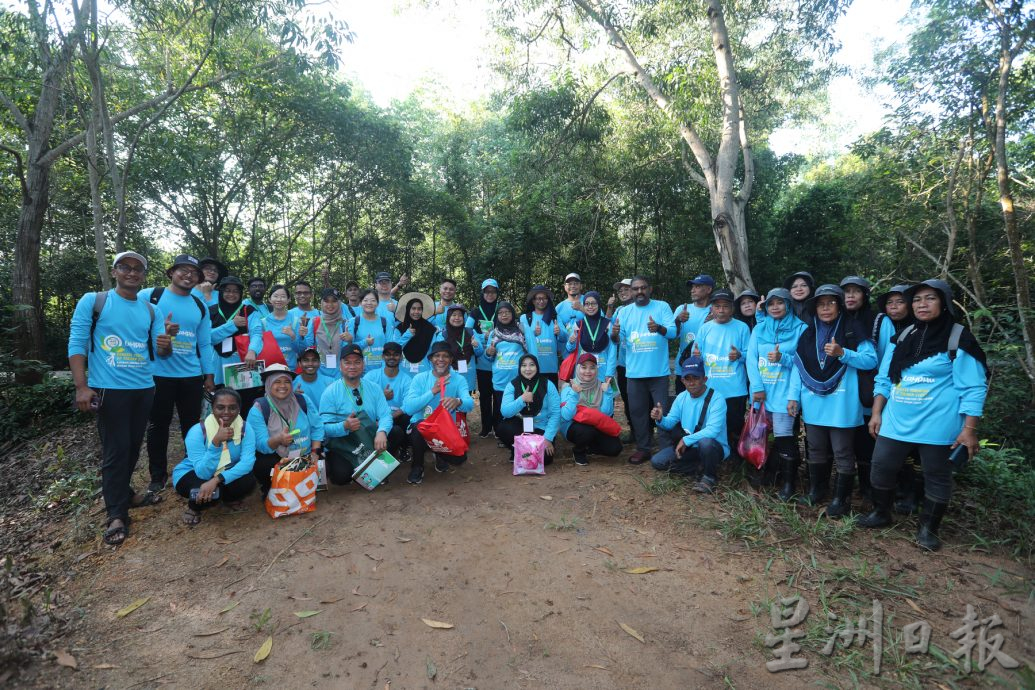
<point x="721" y="293"/>
<point x="350" y="349"/>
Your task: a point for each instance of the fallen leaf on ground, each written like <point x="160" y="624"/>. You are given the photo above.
<point x="266" y="648"/>
<point x="104" y="667"/>
<point x="229" y="607"/>
<point x="632" y="632"/>
<point x="63" y="658"/>
<point x="914" y="606"/>
<point x="603" y="550"/>
<point x="403" y="540"/>
<point x="306" y="614"/>
<point x="123" y="612"/>
<point x="210" y="633"/>
<point x="437" y="624"/>
<point x="222" y="562"/>
<point x="642" y="570"/>
<point x="331" y="601"/>
<point x="360" y="607"/>
<point x="546" y="498"/>
<point x="602" y="668"/>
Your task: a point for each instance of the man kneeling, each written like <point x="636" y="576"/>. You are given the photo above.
<point x="699" y="452"/>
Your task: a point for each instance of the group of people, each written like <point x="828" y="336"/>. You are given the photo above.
<point x="872" y="388"/>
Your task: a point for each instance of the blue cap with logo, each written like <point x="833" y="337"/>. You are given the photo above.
<point x="692" y="366"/>
<point x="703" y="279"/>
<point x="490" y="282"/>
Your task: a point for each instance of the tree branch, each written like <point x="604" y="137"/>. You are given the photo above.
<point x="20" y="169"/>
<point x="16" y="113"/>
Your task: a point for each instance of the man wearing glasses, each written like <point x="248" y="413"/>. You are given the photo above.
<point x="117" y="336"/>
<point x="179" y="378"/>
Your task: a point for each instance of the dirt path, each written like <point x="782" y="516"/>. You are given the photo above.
<point x="531" y="572"/>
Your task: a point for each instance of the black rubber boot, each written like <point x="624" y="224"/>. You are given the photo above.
<point x="842" y="503"/>
<point x="930" y="520"/>
<point x="881" y="514"/>
<point x="908" y="500"/>
<point x="864" y="480"/>
<point x="789" y="470"/>
<point x="819" y="483"/>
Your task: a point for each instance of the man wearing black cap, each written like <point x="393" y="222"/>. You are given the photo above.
<point x="181" y="377"/>
<point x="256" y="292"/>
<point x="691" y="316"/>
<point x="722" y="343"/>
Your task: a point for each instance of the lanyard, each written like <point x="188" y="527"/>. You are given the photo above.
<point x="220" y="309"/>
<point x="463" y="337"/>
<point x="821" y="355"/>
<point x="327" y="333"/>
<point x="280" y="414"/>
<point x="484" y="317"/>
<point x="524" y="389"/>
<point x="351" y="395"/>
<point x="592" y="333"/>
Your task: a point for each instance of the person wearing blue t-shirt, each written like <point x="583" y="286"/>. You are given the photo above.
<point x="181" y="378"/>
<point x="447" y="291"/>
<point x="692" y="315"/>
<point x="505" y="348"/>
<point x="592" y="334"/>
<point x="212" y="271"/>
<point x="825" y="389"/>
<point x="723" y="342"/>
<point x="111" y="362"/>
<point x="395" y="384"/>
<point x="588" y="393"/>
<point x="467" y="347"/>
<point x="440" y="385"/>
<point x="484" y="316"/>
<point x="698" y="415"/>
<point x="386" y="303"/>
<point x="414" y="332"/>
<point x="929" y="394"/>
<point x="621" y="297"/>
<point x="569" y="310"/>
<point x="256" y="292"/>
<point x="545" y="336"/>
<point x="312" y="381"/>
<point x="303" y="293"/>
<point x="644" y="329"/>
<point x="289" y="331"/>
<point x="530" y="403"/>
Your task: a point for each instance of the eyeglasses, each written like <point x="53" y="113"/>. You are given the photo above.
<point x="358" y="395"/>
<point x="126" y="268"/>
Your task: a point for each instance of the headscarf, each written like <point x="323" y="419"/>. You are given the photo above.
<point x="329" y="324"/>
<point x="223" y="311"/>
<point x="821" y="373"/>
<point x="800" y="308"/>
<point x="752" y="320"/>
<point x="486" y="311"/>
<point x="931" y="338"/>
<point x="882" y="302"/>
<point x="864" y="315"/>
<point x="592" y="392"/>
<point x="538" y="385"/>
<point x="599" y="324"/>
<point x="510" y="333"/>
<point x="458" y="338"/>
<point x="773" y="330"/>
<point x="549" y="314"/>
<point x="280" y="410"/>
<point x="417" y="348"/>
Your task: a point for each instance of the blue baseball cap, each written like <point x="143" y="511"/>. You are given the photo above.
<point x="703" y="279"/>
<point x="490" y="282"/>
<point x="692" y="366"/>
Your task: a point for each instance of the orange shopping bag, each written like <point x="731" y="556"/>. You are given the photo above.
<point x="442" y="433"/>
<point x="292" y="493"/>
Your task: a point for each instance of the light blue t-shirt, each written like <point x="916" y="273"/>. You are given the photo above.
<point x="203" y="457"/>
<point x="290" y="345"/>
<point x="120" y="358"/>
<point x="570" y="404"/>
<point x="379" y="332"/>
<point x="546" y="346"/>
<point x="841" y="408"/>
<point x="314" y="389"/>
<point x="567" y="314"/>
<point x="338" y="402"/>
<point x="421" y="401"/>
<point x="308" y="424"/>
<point x="549" y="417"/>
<point x="773" y="377"/>
<point x="646" y="353"/>
<point x="188" y="358"/>
<point x="688" y="331"/>
<point x="686" y="412"/>
<point x="714" y="339"/>
<point x="505" y="363"/>
<point x="399" y="385"/>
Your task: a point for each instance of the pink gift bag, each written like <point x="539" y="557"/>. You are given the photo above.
<point x="529" y="454"/>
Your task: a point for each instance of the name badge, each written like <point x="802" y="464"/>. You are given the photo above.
<point x="415" y="367"/>
<point x="294" y="453"/>
<point x="528" y="424"/>
<point x="461" y="366"/>
<point x="228" y="345"/>
<point x="331" y="361"/>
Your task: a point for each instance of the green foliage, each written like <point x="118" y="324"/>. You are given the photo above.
<point x="995" y="500"/>
<point x="28" y="411"/>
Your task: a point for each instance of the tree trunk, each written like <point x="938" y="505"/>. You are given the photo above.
<point x="25" y="274"/>
<point x="99" y="245"/>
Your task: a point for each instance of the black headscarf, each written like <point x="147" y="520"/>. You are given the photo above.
<point x="864" y="315"/>
<point x="800" y="308"/>
<point x="751" y="321"/>
<point x="599" y="324"/>
<point x="882" y="302"/>
<point x="486" y="311"/>
<point x="810" y="358"/>
<point x="510" y="332"/>
<point x="931" y="338"/>
<point x="223" y="311"/>
<point x="455" y="335"/>
<point x="538" y="385"/>
<point x="417" y="348"/>
<point x="549" y="314"/>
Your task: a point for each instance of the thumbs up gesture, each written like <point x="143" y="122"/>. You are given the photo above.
<point x="833" y="349"/>
<point x="352" y="423"/>
<point x="240" y="320"/>
<point x="171" y="329"/>
<point x="224" y="434"/>
<point x="734" y="353"/>
<point x="697" y="351"/>
<point x="345" y="336"/>
<point x="490" y="351"/>
<point x="615" y="329"/>
<point x="656" y="412"/>
<point x="683" y="315"/>
<point x="652" y="325"/>
<point x="573" y="337"/>
<point x="303" y="326"/>
<point x="556" y="328"/>
<point x="774" y="354"/>
<point x="527" y="397"/>
<point x="288" y="331"/>
<point x="370" y="340"/>
<point x="388" y="392"/>
<point x="538" y="329"/>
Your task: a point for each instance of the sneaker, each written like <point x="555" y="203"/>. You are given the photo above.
<point x="156" y="487"/>
<point x="403" y="455"/>
<point x="581" y="460"/>
<point x="416" y="475"/>
<point x="639" y="457"/>
<point x="704" y="486"/>
<point x="440" y="464"/>
<point x="485" y="433"/>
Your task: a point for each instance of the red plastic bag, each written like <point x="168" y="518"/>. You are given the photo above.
<point x="271" y="352"/>
<point x="442" y="433"/>
<point x="566" y="371"/>
<point x="754" y="438"/>
<point x="597" y="419"/>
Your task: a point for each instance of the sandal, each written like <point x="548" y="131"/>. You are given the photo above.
<point x="148" y="498"/>
<point x="191" y="517"/>
<point x="115" y="536"/>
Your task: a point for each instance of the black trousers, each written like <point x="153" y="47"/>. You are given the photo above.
<point x="185" y="395"/>
<point x="420" y="447"/>
<point x="888" y="456"/>
<point x="623" y="390"/>
<point x="589" y="439"/>
<point x="262" y="470"/>
<point x="397" y="434"/>
<point x="121" y="423"/>
<point x="235" y="491"/>
<point x="497" y="416"/>
<point x="735" y="409"/>
<point x="485" y="395"/>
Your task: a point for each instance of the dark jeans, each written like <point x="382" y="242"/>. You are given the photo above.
<point x="589" y="439"/>
<point x="397" y="434"/>
<point x="262" y="470"/>
<point x="121" y="423"/>
<point x="735" y="409"/>
<point x="623" y="390"/>
<point x="228" y="493"/>
<point x="485" y="393"/>
<point x="826" y="442"/>
<point x="888" y="456"/>
<point x="185" y="395"/>
<point x="420" y="447"/>
<point x="704" y="458"/>
<point x="339" y="466"/>
<point x="863" y="442"/>
<point x="643" y="395"/>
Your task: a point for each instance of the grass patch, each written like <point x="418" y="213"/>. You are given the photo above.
<point x="994" y="503"/>
<point x="563" y="524"/>
<point x="662" y="484"/>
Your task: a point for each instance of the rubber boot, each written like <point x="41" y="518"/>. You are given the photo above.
<point x="881" y="514"/>
<point x="819" y="482"/>
<point x="789" y="469"/>
<point x="907" y="498"/>
<point x="842" y="503"/>
<point x="864" y="480"/>
<point x="930" y="520"/>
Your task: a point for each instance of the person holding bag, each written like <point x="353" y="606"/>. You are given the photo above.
<point x="220" y="458"/>
<point x="589" y="397"/>
<point x="592" y="334"/>
<point x="286" y="424"/>
<point x="825" y="389"/>
<point x="429" y="389"/>
<point x="356" y="418"/>
<point x="530" y="404"/>
<point x="230" y="317"/>
<point x="700" y="413"/>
